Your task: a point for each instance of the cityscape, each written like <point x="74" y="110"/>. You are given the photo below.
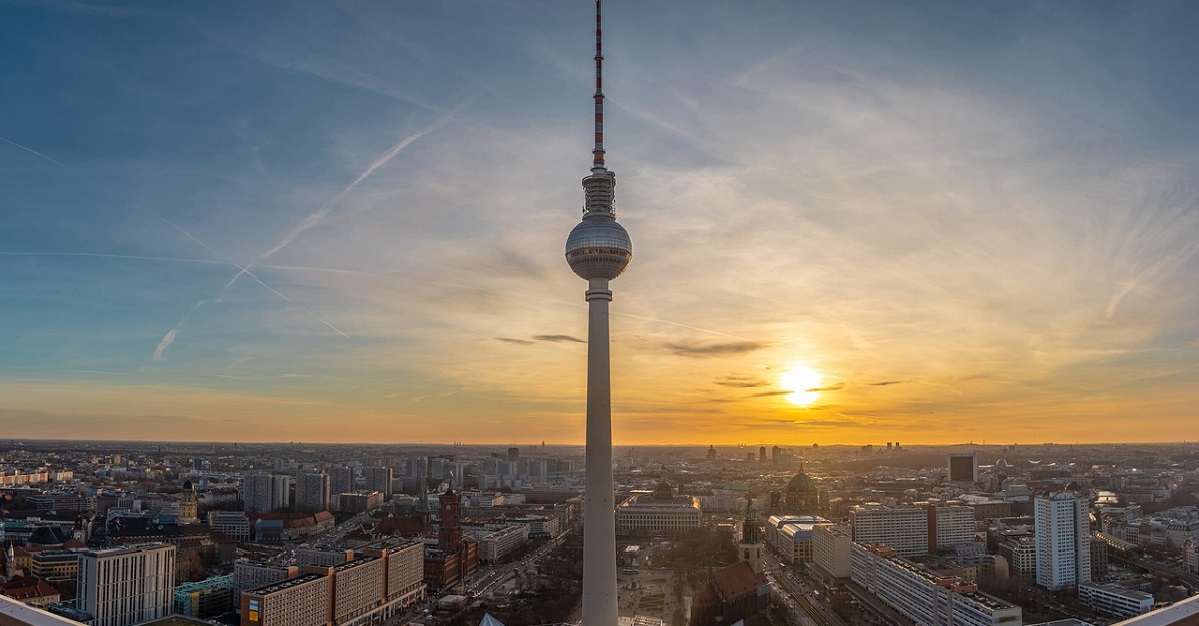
<point x="265" y="534"/>
<point x="285" y="347"/>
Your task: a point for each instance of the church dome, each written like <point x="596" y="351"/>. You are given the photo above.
<point x="802" y="483"/>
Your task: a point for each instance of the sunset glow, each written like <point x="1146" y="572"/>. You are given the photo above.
<point x="344" y="222"/>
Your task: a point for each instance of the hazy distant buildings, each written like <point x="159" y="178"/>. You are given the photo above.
<point x="1063" y="541"/>
<point x="125" y="586"/>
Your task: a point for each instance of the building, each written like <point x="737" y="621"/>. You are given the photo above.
<point x="659" y="512"/>
<point x="251" y="575"/>
<point x="265" y="493"/>
<point x="453" y="559"/>
<point x="189" y="506"/>
<point x="924" y="596"/>
<point x="312" y="492"/>
<point x="913" y="530"/>
<point x="379" y="479"/>
<point x="731" y="594"/>
<point x="322" y="558"/>
<point x="300" y="601"/>
<point x="124" y="586"/>
<point x="30" y="590"/>
<point x="830" y="550"/>
<point x="802" y="497"/>
<point x="206" y="598"/>
<point x="1114" y="600"/>
<point x="341" y="479"/>
<point x="1063" y="540"/>
<point x="405" y="571"/>
<point x="497" y="544"/>
<point x="359" y="587"/>
<point x="963" y="467"/>
<point x="750" y="546"/>
<point x="791" y="536"/>
<point x="56" y="566"/>
<point x="598" y="250"/>
<point x="232" y="523"/>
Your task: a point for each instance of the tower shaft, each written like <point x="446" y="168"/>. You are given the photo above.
<point x="599" y="517"/>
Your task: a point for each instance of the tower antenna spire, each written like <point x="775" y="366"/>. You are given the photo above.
<point x="597" y="154"/>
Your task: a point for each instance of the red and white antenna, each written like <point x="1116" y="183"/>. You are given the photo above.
<point x="597" y="161"/>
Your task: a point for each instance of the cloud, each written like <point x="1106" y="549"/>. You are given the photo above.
<point x="884" y="383"/>
<point x="771" y="394"/>
<point x="741" y="382"/>
<point x="523" y="342"/>
<point x="826" y="388"/>
<point x="558" y="338"/>
<point x="713" y="349"/>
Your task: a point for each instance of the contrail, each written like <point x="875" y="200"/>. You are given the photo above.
<point x="133" y="257"/>
<point x="312" y="220"/>
<point x="169" y="338"/>
<point x="317" y="216"/>
<point x="31" y="151"/>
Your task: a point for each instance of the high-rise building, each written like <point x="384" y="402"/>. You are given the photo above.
<point x="963" y="467"/>
<point x="341" y="479"/>
<point x="125" y="586"/>
<point x="379" y="479"/>
<point x="598" y="250"/>
<point x="312" y="492"/>
<point x="913" y="530"/>
<point x="513" y="454"/>
<point x="1062" y="531"/>
<point x="264" y="493"/>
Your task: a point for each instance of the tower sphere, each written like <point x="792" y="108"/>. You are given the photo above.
<point x="598" y="247"/>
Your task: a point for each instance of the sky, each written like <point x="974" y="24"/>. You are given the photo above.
<point x="344" y="221"/>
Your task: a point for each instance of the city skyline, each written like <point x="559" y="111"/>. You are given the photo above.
<point x="345" y="224"/>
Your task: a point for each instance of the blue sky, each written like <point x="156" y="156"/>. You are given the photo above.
<point x="344" y="221"/>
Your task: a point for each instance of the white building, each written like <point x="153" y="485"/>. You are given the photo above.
<point x="647" y="514"/>
<point x="124" y="586"/>
<point x="830" y="549"/>
<point x="1063" y="541"/>
<point x="923" y="596"/>
<point x="1115" y="600"/>
<point x="497" y="544"/>
<point x="232" y="523"/>
<point x="913" y="530"/>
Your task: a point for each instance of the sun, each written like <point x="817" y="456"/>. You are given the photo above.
<point x="802" y="383"/>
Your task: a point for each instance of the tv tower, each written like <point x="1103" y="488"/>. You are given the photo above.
<point x="598" y="250"/>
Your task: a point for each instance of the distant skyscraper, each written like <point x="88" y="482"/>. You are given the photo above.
<point x="513" y="454"/>
<point x="379" y="479"/>
<point x="598" y="249"/>
<point x="264" y="493"/>
<point x="341" y="479"/>
<point x="963" y="467"/>
<point x="312" y="492"/>
<point x="762" y="454"/>
<point x="1062" y="532"/>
